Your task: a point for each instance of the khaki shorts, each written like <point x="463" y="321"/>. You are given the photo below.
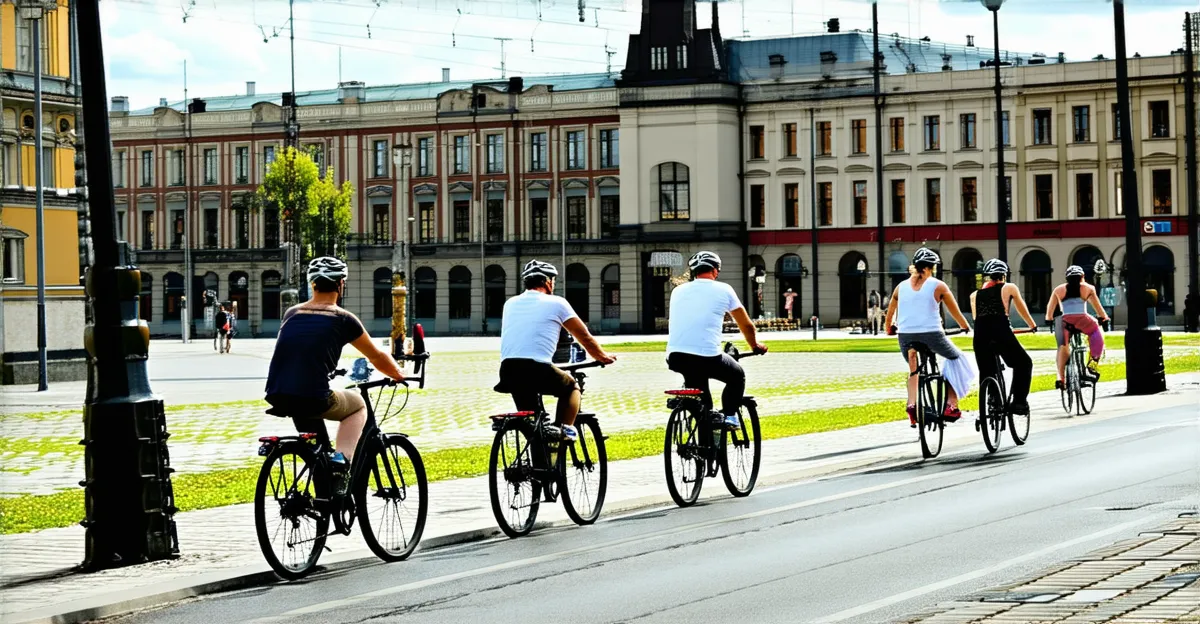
<point x="337" y="406"/>
<point x="343" y="403"/>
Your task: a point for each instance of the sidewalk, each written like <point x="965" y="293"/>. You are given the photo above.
<point x="220" y="550"/>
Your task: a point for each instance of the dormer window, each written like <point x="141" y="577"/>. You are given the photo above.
<point x="658" y="58"/>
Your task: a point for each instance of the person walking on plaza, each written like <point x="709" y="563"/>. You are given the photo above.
<point x="221" y="325"/>
<point x="873" y="316"/>
<point x="233" y="318"/>
<point x="789" y="299"/>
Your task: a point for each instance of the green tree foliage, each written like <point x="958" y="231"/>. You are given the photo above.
<point x="325" y="224"/>
<point x="314" y="210"/>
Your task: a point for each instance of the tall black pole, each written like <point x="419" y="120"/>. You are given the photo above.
<point x="812" y="178"/>
<point x="1001" y="191"/>
<point x="129" y="501"/>
<point x="878" y="147"/>
<point x="1189" y="86"/>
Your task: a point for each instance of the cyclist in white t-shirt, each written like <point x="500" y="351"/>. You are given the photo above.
<point x="529" y="334"/>
<point x="697" y="315"/>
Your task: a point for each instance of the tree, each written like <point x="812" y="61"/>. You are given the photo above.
<point x="285" y="185"/>
<point x="314" y="211"/>
<point x="326" y="220"/>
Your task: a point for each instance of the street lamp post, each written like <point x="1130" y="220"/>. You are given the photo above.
<point x="998" y="128"/>
<point x="402" y="159"/>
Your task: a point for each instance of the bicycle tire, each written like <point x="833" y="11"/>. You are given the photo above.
<point x="682" y="441"/>
<point x="929" y="420"/>
<point x="581" y="460"/>
<point x="1067" y="393"/>
<point x="991" y="413"/>
<point x="749" y="438"/>
<point x="1018" y="427"/>
<point x="316" y="487"/>
<point x="1084" y="386"/>
<point x="393" y="480"/>
<point x="522" y="472"/>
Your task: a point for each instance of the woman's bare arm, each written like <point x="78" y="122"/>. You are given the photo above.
<point x="1022" y="309"/>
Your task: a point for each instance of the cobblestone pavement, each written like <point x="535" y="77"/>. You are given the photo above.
<point x="1154" y="577"/>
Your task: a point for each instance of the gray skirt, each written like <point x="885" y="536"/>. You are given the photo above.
<point x="937" y="342"/>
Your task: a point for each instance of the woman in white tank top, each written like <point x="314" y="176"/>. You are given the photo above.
<point x="916" y="307"/>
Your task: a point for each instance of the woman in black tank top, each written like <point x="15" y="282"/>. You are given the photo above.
<point x="994" y="335"/>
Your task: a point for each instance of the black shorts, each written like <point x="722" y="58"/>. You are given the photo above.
<point x="526" y="379"/>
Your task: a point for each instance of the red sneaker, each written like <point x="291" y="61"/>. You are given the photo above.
<point x="912" y="416"/>
<point x="951" y="414"/>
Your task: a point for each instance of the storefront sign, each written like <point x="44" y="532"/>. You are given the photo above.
<point x="1156" y="227"/>
<point x="666" y="259"/>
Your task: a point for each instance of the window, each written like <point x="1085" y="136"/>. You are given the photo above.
<point x="382" y="291"/>
<point x="495" y="282"/>
<point x="610" y="153"/>
<point x="495" y="219"/>
<point x="210" y="228"/>
<point x="1116" y="122"/>
<point x="462" y="154"/>
<point x="1041" y="126"/>
<point x="24" y="36"/>
<point x="791" y="205"/>
<point x="1004" y="129"/>
<point x="241" y="165"/>
<point x="120" y="225"/>
<point x="460" y="293"/>
<point x="462" y="220"/>
<point x="824" y="138"/>
<point x="210" y="165"/>
<point x="658" y="58"/>
<point x="610" y="291"/>
<point x="970" y="200"/>
<point x="537" y="151"/>
<point x="758" y="205"/>
<point x="147" y="168"/>
<point x="148" y="229"/>
<point x="268" y="157"/>
<point x="176" y="229"/>
<point x="379" y="152"/>
<point x="575" y="154"/>
<point x="1118" y="198"/>
<point x="1160" y="184"/>
<point x="425" y="297"/>
<point x="1043" y="190"/>
<point x="539" y="219"/>
<point x="241" y="227"/>
<point x="48" y="167"/>
<point x="14" y="259"/>
<point x="576" y="217"/>
<point x="825" y="202"/>
<point x="966" y="131"/>
<point x="146" y="298"/>
<point x="271" y="282"/>
<point x="858" y="136"/>
<point x="1160" y="122"/>
<point x="118" y="168"/>
<point x="757" y="142"/>
<point x="1083" y="196"/>
<point x="173" y="292"/>
<point x="270" y="228"/>
<point x="681" y="57"/>
<point x="495" y="153"/>
<point x="425" y="156"/>
<point x="381" y="224"/>
<point x="1081" y="124"/>
<point x="610" y="215"/>
<point x="1037" y="274"/>
<point x="896" y="132"/>
<point x="176" y="167"/>
<point x="316" y="151"/>
<point x="933" y="200"/>
<point x="860" y="202"/>
<point x="789" y="139"/>
<point x="427" y="228"/>
<point x="898" y="207"/>
<point x="933" y="133"/>
<point x="673" y="192"/>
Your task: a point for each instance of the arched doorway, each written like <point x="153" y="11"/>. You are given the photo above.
<point x="460" y="299"/>
<point x="494" y="278"/>
<point x="757" y="274"/>
<point x="1036" y="276"/>
<point x="271" y="282"/>
<point x="1086" y="257"/>
<point x="381" y="292"/>
<point x="201" y="284"/>
<point x="1159" y="265"/>
<point x="173" y="292"/>
<point x="897" y="269"/>
<point x="965" y="269"/>
<point x="239" y="293"/>
<point x="852" y="275"/>
<point x="425" y="298"/>
<point x="661" y="266"/>
<point x="610" y="298"/>
<point x="788" y="276"/>
<point x="578" y="281"/>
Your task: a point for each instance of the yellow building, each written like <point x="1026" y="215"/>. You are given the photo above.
<point x="18" y="215"/>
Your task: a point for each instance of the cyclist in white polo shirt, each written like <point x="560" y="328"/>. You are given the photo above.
<point x="529" y="334"/>
<point x="697" y="315"/>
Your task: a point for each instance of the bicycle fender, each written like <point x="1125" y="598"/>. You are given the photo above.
<point x="749" y="402"/>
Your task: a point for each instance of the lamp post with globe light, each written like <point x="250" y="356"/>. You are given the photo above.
<point x="998" y="128"/>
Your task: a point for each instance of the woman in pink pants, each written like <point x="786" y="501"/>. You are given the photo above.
<point x="1074" y="296"/>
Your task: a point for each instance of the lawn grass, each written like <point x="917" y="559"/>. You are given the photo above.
<point x="31" y="512"/>
<point x="1043" y="341"/>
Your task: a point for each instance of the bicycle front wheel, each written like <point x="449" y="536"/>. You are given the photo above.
<point x="291" y="526"/>
<point x="741" y="453"/>
<point x="514" y="493"/>
<point x="683" y="455"/>
<point x="585" y="473"/>
<point x="1085" y="389"/>
<point x="929" y="418"/>
<point x="1067" y="393"/>
<point x="991" y="413"/>
<point x="392" y="498"/>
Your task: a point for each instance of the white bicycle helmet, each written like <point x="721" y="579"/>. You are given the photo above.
<point x="1075" y="271"/>
<point x="994" y="266"/>
<point x="926" y="255"/>
<point x="539" y="268"/>
<point x="704" y="260"/>
<point x="327" y="267"/>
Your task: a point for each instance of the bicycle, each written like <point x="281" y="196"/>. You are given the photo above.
<point x="299" y="475"/>
<point x="995" y="409"/>
<point x="531" y="463"/>
<point x="1078" y="386"/>
<point x="695" y="446"/>
<point x="932" y="400"/>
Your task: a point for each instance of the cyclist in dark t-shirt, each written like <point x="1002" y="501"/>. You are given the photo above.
<point x="311" y="337"/>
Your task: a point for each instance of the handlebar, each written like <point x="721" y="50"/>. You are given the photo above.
<point x="1025" y="330"/>
<point x="569" y="368"/>
<point x="337" y="373"/>
<point x="956" y="331"/>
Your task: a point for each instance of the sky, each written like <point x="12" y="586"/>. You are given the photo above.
<point x="226" y="43"/>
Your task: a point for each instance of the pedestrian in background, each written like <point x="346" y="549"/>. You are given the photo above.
<point x="789" y="298"/>
<point x="221" y="327"/>
<point x="874" y="302"/>
<point x="233" y="319"/>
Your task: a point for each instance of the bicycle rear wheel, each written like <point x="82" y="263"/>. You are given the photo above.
<point x="392" y="498"/>
<point x="991" y="413"/>
<point x="741" y="453"/>
<point x="683" y="456"/>
<point x="1085" y="389"/>
<point x="291" y="527"/>
<point x="514" y="493"/>
<point x="1067" y="393"/>
<point x="585" y="473"/>
<point x="929" y="419"/>
<point x="1018" y="427"/>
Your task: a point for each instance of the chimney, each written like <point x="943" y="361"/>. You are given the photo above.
<point x="249" y="87"/>
<point x="445" y="74"/>
<point x="120" y="104"/>
<point x="1062" y="57"/>
<point x="834" y="25"/>
<point x="970" y="41"/>
<point x="162" y="101"/>
<point x="352" y="92"/>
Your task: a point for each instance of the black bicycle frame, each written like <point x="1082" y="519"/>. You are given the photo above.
<point x="708" y="449"/>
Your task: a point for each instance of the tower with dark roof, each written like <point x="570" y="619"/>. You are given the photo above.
<point x="669" y="49"/>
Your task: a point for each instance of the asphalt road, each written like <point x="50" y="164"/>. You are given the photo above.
<point x="863" y="547"/>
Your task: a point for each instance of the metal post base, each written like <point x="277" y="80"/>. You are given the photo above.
<point x="1145" y="372"/>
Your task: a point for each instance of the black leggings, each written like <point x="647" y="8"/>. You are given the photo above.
<point x="997" y="339"/>
<point x="698" y="369"/>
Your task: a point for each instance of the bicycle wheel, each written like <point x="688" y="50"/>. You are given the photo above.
<point x="929" y="419"/>
<point x="291" y="526"/>
<point x="991" y="413"/>
<point x="1067" y="394"/>
<point x="1018" y="427"/>
<point x="515" y="494"/>
<point x="585" y="473"/>
<point x="741" y="453"/>
<point x="392" y="498"/>
<point x="683" y="456"/>
<point x="1085" y="389"/>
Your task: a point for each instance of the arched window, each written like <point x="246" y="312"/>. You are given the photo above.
<point x="757" y="274"/>
<point x="382" y="289"/>
<point x="201" y="285"/>
<point x="965" y="269"/>
<point x="146" y="298"/>
<point x="425" y="297"/>
<point x="1160" y="276"/>
<point x="270" y="295"/>
<point x="173" y="292"/>
<point x="610" y="292"/>
<point x="239" y="293"/>
<point x="787" y="277"/>
<point x="852" y="273"/>
<point x="1086" y="258"/>
<point x="495" y="280"/>
<point x="578" y="281"/>
<point x="1036" y="276"/>
<point x="460" y="293"/>
<point x="674" y="189"/>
